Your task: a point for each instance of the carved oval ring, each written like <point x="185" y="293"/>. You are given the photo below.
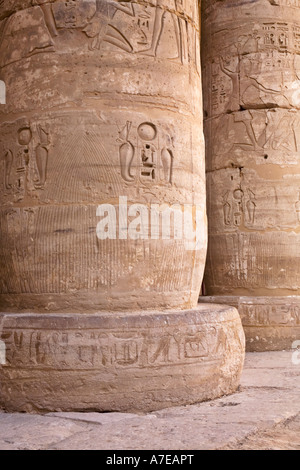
<point x="147" y="131"/>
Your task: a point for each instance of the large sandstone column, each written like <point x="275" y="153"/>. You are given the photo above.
<point x="251" y="64"/>
<point x="100" y="134"/>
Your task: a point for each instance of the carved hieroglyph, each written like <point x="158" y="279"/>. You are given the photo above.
<point x="103" y="99"/>
<point x="251" y="68"/>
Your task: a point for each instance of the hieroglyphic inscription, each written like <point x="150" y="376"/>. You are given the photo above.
<point x="239" y="207"/>
<point x="92" y="349"/>
<point x="150" y="159"/>
<point x="24" y="154"/>
<point x="264" y="314"/>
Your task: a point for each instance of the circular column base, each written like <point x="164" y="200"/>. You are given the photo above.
<point x="141" y="361"/>
<point x="270" y="323"/>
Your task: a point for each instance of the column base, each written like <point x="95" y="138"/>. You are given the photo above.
<point x="270" y="323"/>
<point x="142" y="361"/>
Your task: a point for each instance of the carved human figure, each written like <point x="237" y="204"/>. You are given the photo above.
<point x="24" y="45"/>
<point x="246" y="118"/>
<point x="252" y="91"/>
<point x="159" y="25"/>
<point x="246" y="88"/>
<point x="46" y="8"/>
<point x="100" y="29"/>
<point x="282" y="133"/>
<point x="234" y="100"/>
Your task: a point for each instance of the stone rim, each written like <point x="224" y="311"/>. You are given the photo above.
<point x="174" y="358"/>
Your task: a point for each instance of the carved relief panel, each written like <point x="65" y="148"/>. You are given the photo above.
<point x="103" y="102"/>
<point x="251" y="74"/>
<point x="137" y="39"/>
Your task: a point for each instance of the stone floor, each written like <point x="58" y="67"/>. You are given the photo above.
<point x="263" y="414"/>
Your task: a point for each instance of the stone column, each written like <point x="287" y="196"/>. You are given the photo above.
<point x="101" y="152"/>
<point x="251" y="67"/>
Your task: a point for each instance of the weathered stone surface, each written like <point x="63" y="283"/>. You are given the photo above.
<point x="251" y="64"/>
<point x="263" y="414"/>
<point x="122" y="362"/>
<point x="284" y="436"/>
<point x="29" y="432"/>
<point x="103" y="99"/>
<point x="100" y="133"/>
<point x="270" y="323"/>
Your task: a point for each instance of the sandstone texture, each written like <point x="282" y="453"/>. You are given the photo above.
<point x="100" y="137"/>
<point x="270" y="323"/>
<point x="103" y="100"/>
<point x="113" y="362"/>
<point x="263" y="415"/>
<point x="251" y="66"/>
